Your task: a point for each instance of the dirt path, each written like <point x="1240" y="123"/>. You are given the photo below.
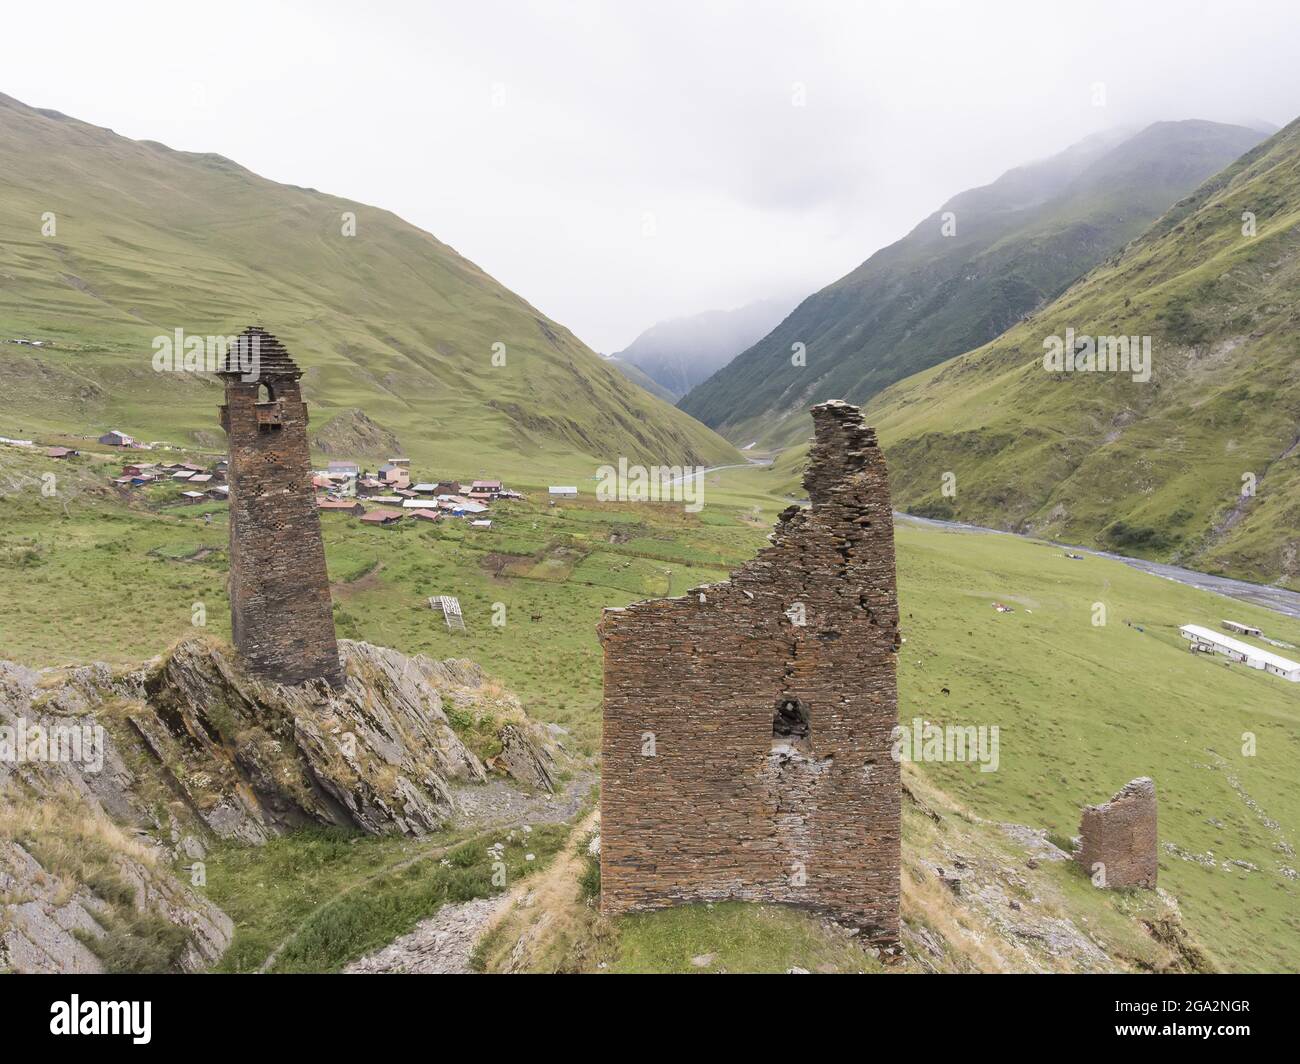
<point x="444" y="943"/>
<point x="493" y="806"/>
<point x="440" y="945"/>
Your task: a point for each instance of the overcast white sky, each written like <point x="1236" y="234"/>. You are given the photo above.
<point x="618" y="163"/>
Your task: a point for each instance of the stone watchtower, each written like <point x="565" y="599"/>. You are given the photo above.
<point x="748" y="725"/>
<point x="280" y="607"/>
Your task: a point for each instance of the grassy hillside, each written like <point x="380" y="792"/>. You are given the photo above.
<point x="1082" y="709"/>
<point x="1155" y="469"/>
<point x="641" y="379"/>
<point x="1017" y="243"/>
<point x="389" y="322"/>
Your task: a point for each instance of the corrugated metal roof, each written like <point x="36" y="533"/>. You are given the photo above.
<point x="1209" y="635"/>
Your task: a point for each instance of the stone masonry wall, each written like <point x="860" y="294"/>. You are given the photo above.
<point x="747" y="724"/>
<point x="1121" y="836"/>
<point x="281" y="612"/>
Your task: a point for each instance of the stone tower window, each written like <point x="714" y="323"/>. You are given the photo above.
<point x="270" y="417"/>
<point x="791" y="725"/>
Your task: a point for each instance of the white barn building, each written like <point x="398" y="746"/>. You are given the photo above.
<point x="1235" y="649"/>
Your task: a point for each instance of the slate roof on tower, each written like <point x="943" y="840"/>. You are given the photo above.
<point x="266" y="354"/>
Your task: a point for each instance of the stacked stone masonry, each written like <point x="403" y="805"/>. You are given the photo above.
<point x="1118" y="842"/>
<point x="746" y="750"/>
<point x="281" y="613"/>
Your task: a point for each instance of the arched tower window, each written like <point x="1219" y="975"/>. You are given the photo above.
<point x="264" y="393"/>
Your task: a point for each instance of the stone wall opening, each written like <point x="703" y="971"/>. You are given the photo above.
<point x="791" y="726"/>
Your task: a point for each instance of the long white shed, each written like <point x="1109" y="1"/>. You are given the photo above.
<point x="1248" y="655"/>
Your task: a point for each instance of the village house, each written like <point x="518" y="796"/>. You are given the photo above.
<point x="343" y="506"/>
<point x="487" y="487"/>
<point x="459" y="505"/>
<point x="346" y="469"/>
<point x="447" y="487"/>
<point x="394" y="476"/>
<point x="221" y="493"/>
<point x="191" y="497"/>
<point x="425" y="515"/>
<point x="562" y="492"/>
<point x="382" y="517"/>
<point x="61" y="452"/>
<point x="114" y="438"/>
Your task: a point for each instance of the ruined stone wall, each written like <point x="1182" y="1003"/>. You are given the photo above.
<point x="1121" y="836"/>
<point x="747" y="724"/>
<point x="281" y="613"/>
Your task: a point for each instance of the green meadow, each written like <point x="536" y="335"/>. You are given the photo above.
<point x="1081" y="708"/>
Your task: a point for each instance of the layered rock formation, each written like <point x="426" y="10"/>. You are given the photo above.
<point x="190" y="746"/>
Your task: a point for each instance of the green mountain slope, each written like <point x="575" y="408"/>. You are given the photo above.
<point x="641" y="379"/>
<point x="1155" y="469"/>
<point x="1017" y="243"/>
<point x="389" y="322"/>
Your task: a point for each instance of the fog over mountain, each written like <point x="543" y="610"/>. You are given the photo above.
<point x="679" y="354"/>
<point x="618" y="164"/>
<point x="964" y="274"/>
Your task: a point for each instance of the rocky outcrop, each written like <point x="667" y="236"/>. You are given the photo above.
<point x="96" y="898"/>
<point x="190" y="744"/>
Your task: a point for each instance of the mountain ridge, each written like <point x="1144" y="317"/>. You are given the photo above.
<point x="1201" y="464"/>
<point x="679" y="353"/>
<point x="148" y="239"/>
<point x="1011" y="246"/>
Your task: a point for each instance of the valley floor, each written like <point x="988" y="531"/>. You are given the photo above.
<point x="1086" y="678"/>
